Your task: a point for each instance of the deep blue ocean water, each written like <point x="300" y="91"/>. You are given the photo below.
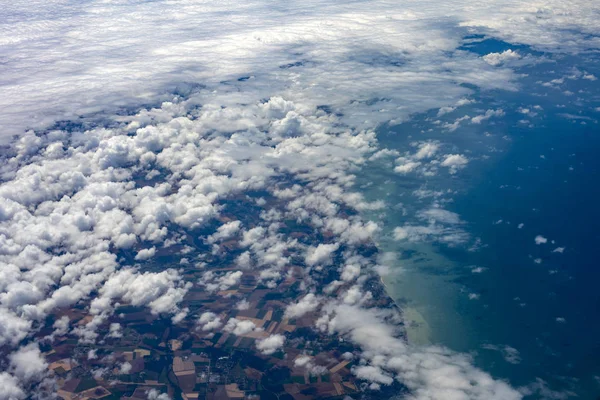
<point x="533" y="317"/>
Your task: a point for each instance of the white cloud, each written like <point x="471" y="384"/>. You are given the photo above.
<point x="270" y="344"/>
<point x="488" y="114"/>
<point x="496" y="59"/>
<point x="154" y="394"/>
<point x="115" y="330"/>
<point x="242" y="305"/>
<point x="305" y="305"/>
<point x="427" y="150"/>
<point x="539" y="239"/>
<point x="350" y="272"/>
<point x="455" y="162"/>
<point x="320" y="254"/>
<point x="405" y="167"/>
<point x="125" y="368"/>
<point x="145" y="254"/>
<point x="239" y="327"/>
<point x="27" y="363"/>
<point x="209" y="321"/>
<point x="214" y="283"/>
<point x="225" y="231"/>
<point x="10" y="388"/>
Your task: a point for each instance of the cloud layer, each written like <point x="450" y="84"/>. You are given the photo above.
<point x="148" y="116"/>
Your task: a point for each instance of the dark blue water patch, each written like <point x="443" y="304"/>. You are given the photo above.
<point x="542" y="174"/>
<point x="483" y="45"/>
<point x="528" y="289"/>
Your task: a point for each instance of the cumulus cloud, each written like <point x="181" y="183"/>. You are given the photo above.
<point x="305" y="305"/>
<point x="427" y="150"/>
<point x="145" y="254"/>
<point x="405" y="166"/>
<point x="125" y="368"/>
<point x="209" y="321"/>
<point x="154" y="394"/>
<point x="320" y="254"/>
<point x="213" y="282"/>
<point x="225" y="231"/>
<point x="10" y="388"/>
<point x="454" y="162"/>
<point x="270" y="344"/>
<point x="496" y="59"/>
<point x="488" y="114"/>
<point x="239" y="327"/>
<point x="27" y="363"/>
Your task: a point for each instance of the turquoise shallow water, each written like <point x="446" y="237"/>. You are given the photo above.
<point x="527" y="312"/>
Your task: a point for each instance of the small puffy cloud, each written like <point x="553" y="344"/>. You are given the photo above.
<point x="115" y="330"/>
<point x="209" y="321"/>
<point x="373" y="374"/>
<point x="350" y="272"/>
<point x="12" y="329"/>
<point x="488" y="114"/>
<point x="214" y="283"/>
<point x="27" y="363"/>
<point x="539" y="239"/>
<point x="306" y="362"/>
<point x="305" y="305"/>
<point x="154" y="394"/>
<point x="145" y="254"/>
<point x="559" y="250"/>
<point x="270" y="344"/>
<point x="10" y="388"/>
<point x="445" y="110"/>
<point x="427" y="150"/>
<point x="239" y="327"/>
<point x="496" y="59"/>
<point x="405" y="166"/>
<point x="454" y="162"/>
<point x="61" y="326"/>
<point x="355" y="295"/>
<point x="225" y="231"/>
<point x="242" y="305"/>
<point x="320" y="254"/>
<point x="125" y="368"/>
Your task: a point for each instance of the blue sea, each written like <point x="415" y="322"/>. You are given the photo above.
<point x="528" y="313"/>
